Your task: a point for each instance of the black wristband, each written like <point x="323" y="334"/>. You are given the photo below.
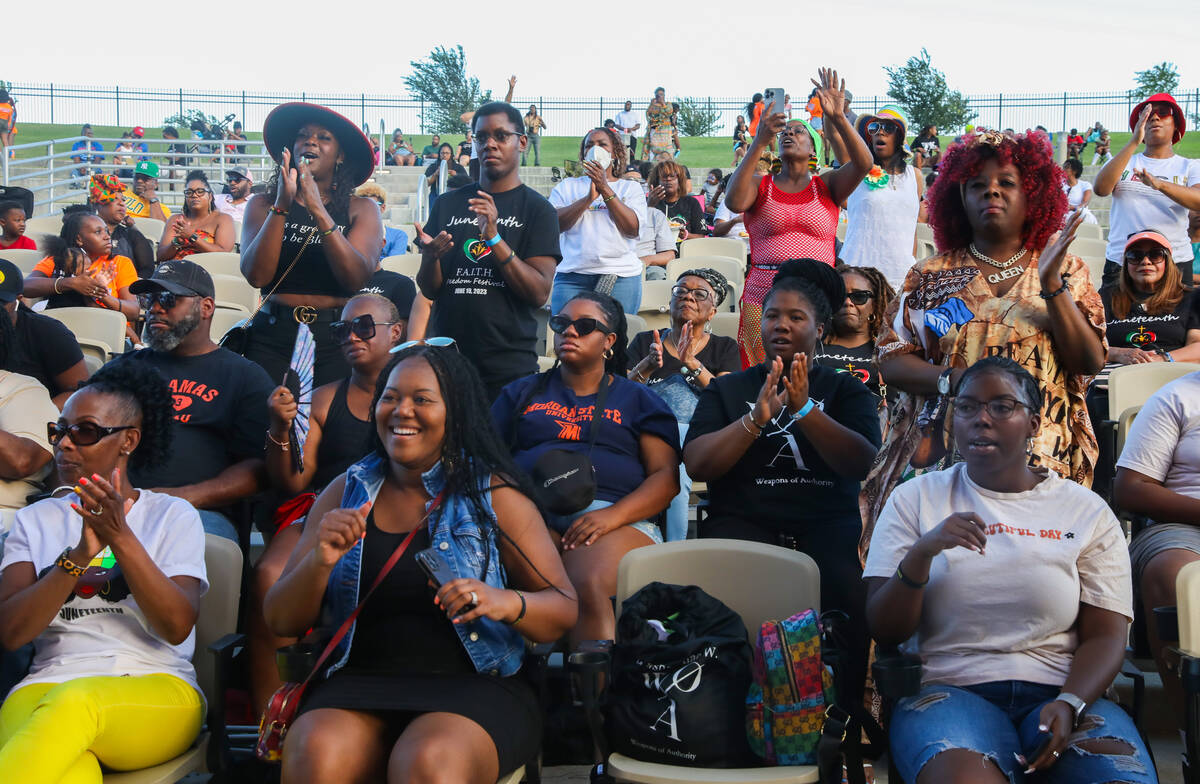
<point x="520" y="615"/>
<point x="1057" y="291"/>
<point x="910" y="582"/>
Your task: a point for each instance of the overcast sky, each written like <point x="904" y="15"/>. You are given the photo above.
<point x="569" y="48"/>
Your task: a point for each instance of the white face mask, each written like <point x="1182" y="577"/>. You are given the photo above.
<point x="601" y="156"/>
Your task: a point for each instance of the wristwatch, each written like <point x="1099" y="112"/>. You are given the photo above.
<point x="692" y="376"/>
<point x="943" y="382"/>
<point x="1076" y="704"/>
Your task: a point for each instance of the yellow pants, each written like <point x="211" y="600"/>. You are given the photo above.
<point x="60" y="733"/>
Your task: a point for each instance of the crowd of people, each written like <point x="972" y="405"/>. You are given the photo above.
<point x="930" y="419"/>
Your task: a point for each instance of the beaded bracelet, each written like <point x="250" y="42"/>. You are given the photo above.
<point x="277" y="211"/>
<point x="1057" y="291"/>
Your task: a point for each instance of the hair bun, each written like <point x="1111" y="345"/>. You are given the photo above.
<point x="818" y="273"/>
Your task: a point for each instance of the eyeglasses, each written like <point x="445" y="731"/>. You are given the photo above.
<point x="195" y="193"/>
<point x="882" y="126"/>
<point x="436" y="342"/>
<point x="583" y="326"/>
<point x="1157" y="255"/>
<point x="860" y="296"/>
<point x="81" y="433"/>
<point x="362" y="327"/>
<point x="162" y="297"/>
<point x="701" y="295"/>
<point x="1000" y="408"/>
<point x="500" y="135"/>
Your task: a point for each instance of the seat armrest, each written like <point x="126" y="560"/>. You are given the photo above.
<point x="897" y="675"/>
<point x="226" y="650"/>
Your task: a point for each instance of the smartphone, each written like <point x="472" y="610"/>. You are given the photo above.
<point x="773" y="101"/>
<point x="435" y="567"/>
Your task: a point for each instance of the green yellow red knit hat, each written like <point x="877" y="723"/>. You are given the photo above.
<point x="104" y="188"/>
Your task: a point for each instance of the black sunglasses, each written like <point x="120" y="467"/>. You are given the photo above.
<point x="882" y="126"/>
<point x="1134" y="255"/>
<point x="235" y="179"/>
<point x="362" y="327"/>
<point x="583" y="326"/>
<point x="860" y="296"/>
<point x="81" y="433"/>
<point x="167" y="299"/>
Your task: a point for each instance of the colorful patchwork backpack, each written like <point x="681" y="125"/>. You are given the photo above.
<point x="785" y="708"/>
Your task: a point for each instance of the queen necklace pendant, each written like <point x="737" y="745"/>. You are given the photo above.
<point x="1003" y="275"/>
<point x="1007" y="270"/>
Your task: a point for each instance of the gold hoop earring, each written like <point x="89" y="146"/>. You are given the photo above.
<point x="608" y="353"/>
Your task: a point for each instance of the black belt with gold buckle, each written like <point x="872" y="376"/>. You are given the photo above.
<point x="303" y="314"/>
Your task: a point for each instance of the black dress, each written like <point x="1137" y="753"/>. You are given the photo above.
<point x="406" y="660"/>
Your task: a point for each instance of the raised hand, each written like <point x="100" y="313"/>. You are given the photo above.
<point x="340" y="530"/>
<point x="307" y="192"/>
<point x="437" y="246"/>
<point x="1051" y="260"/>
<point x="770" y="401"/>
<point x="484" y="206"/>
<point x="1139" y="128"/>
<point x="282" y="408"/>
<point x="830" y="91"/>
<point x="961" y="529"/>
<point x="288" y="178"/>
<point x="795" y="383"/>
<point x="103" y="509"/>
<point x="685" y="344"/>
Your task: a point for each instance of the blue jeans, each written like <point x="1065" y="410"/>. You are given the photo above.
<point x="560" y="523"/>
<point x="1000" y="720"/>
<point x="218" y="524"/>
<point x="627" y="291"/>
<point x="677" y="512"/>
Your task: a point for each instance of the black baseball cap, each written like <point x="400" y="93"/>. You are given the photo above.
<point x="12" y="282"/>
<point x="178" y="276"/>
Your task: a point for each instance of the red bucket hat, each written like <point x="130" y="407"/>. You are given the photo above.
<point x="1180" y="121"/>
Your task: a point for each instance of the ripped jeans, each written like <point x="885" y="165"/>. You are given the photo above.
<point x="1000" y="720"/>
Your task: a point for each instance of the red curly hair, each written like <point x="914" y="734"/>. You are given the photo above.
<point x="1041" y="180"/>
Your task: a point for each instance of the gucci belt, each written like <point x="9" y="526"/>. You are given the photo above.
<point x="304" y="314"/>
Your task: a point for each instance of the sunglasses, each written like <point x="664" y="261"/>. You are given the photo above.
<point x="583" y="326"/>
<point x="882" y="126"/>
<point x="1157" y="255"/>
<point x="362" y="327"/>
<point x="81" y="433"/>
<point x="1161" y="110"/>
<point x="701" y="295"/>
<point x="162" y="297"/>
<point x="437" y="342"/>
<point x="860" y="296"/>
<point x="1000" y="408"/>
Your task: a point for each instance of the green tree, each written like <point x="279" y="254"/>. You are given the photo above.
<point x="1161" y="78"/>
<point x="441" y="81"/>
<point x="922" y="89"/>
<point x="698" y="117"/>
<point x="184" y="120"/>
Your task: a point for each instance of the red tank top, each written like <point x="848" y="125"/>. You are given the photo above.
<point x="786" y="226"/>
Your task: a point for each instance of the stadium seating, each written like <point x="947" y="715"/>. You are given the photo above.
<point x="656" y="303"/>
<point x="99" y="331"/>
<point x="725" y="325"/>
<point x="234" y="292"/>
<point x="24" y="259"/>
<point x="1130" y="386"/>
<point x="731" y="247"/>
<point x="218" y="263"/>
<point x="407" y="264"/>
<point x="225" y="319"/>
<point x="151" y="227"/>
<point x="733" y="269"/>
<point x="43" y="227"/>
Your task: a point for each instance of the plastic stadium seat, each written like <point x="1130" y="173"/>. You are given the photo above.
<point x="151" y="227"/>
<point x="407" y="265"/>
<point x="1132" y="385"/>
<point x="225" y="319"/>
<point x="234" y="292"/>
<point x="99" y="331"/>
<point x="24" y="259"/>
<point x="218" y="618"/>
<point x="925" y="248"/>
<point x="634" y="324"/>
<point x="725" y="325"/>
<point x="734" y="270"/>
<point x="1090" y="231"/>
<point x="731" y="247"/>
<point x="655" y="307"/>
<point x="924" y="232"/>
<point x="218" y="262"/>
<point x="41" y="228"/>
<point x="1088" y="247"/>
<point x="1095" y="265"/>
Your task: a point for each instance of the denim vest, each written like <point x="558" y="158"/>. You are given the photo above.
<point x="495" y="648"/>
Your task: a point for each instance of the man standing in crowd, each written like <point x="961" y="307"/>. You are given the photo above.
<point x="233" y="203"/>
<point x="142" y="200"/>
<point x="35" y="345"/>
<point x="107" y="195"/>
<point x="491" y="259"/>
<point x="628" y="122"/>
<point x="220" y="398"/>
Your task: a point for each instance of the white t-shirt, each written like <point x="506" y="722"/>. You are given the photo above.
<point x="1008" y="614"/>
<point x="654" y="234"/>
<point x="627" y="119"/>
<point x="1075" y="198"/>
<point x="226" y="205"/>
<point x="1136" y="207"/>
<point x="25" y="410"/>
<point x="106" y="633"/>
<point x="594" y="245"/>
<point x="1164" y="440"/>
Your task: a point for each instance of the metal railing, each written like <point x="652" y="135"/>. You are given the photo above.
<point x="125" y="106"/>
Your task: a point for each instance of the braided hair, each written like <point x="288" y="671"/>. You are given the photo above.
<point x="883" y="291"/>
<point x="60" y="246"/>
<point x="614" y="314"/>
<point x="814" y="280"/>
<point x="145" y="401"/>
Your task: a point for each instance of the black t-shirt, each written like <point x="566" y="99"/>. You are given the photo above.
<point x="781" y="482"/>
<point x="1141" y="330"/>
<point x="400" y="289"/>
<point x="43" y="347"/>
<point x="220" y="404"/>
<point x="494" y="327"/>
<point x="133" y="245"/>
<point x="687" y="211"/>
<point x="719" y="355"/>
<point x="857" y="361"/>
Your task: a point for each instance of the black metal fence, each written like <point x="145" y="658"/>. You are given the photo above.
<point x="130" y="106"/>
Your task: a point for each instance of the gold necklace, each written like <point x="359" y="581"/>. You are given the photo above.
<point x="1007" y="270"/>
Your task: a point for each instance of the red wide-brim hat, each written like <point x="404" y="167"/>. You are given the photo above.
<point x="1180" y="120"/>
<point x="286" y="120"/>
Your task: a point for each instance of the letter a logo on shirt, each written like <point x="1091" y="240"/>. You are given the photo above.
<point x="476" y="249"/>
